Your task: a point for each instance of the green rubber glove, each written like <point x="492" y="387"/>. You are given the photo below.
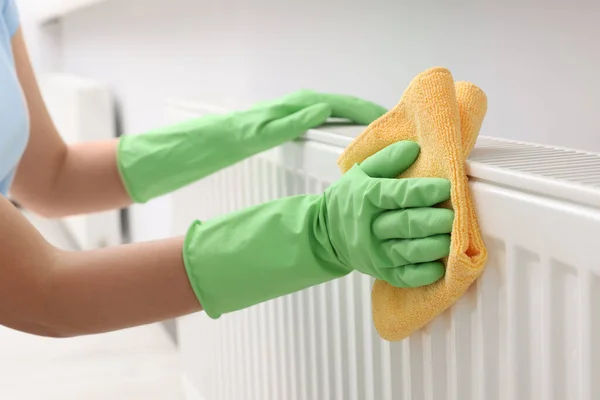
<point x="169" y="158"/>
<point x="383" y="227"/>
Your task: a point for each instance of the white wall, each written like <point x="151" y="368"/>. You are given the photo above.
<point x="44" y="43"/>
<point x="538" y="64"/>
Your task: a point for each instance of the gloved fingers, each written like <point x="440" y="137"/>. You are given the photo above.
<point x="294" y="124"/>
<point x="281" y="110"/>
<point x="357" y="110"/>
<point x="414" y="275"/>
<point x="391" y="194"/>
<point x="416" y="251"/>
<point x="392" y="160"/>
<point x="413" y="223"/>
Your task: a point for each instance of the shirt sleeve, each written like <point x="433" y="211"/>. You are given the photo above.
<point x="11" y="16"/>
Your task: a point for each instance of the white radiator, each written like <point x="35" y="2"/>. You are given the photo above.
<point x="528" y="329"/>
<point x="83" y="111"/>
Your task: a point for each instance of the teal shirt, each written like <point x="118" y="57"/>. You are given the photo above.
<point x="14" y="119"/>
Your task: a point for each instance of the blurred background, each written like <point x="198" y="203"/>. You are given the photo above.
<point x="537" y="63"/>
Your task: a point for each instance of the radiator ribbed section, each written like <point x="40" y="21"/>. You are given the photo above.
<point x="527" y="329"/>
<point x="578" y="167"/>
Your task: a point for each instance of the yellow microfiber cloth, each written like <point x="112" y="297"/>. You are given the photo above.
<point x="444" y="117"/>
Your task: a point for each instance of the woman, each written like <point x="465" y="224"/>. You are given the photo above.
<point x="387" y="228"/>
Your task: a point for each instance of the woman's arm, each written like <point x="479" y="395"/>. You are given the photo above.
<point x="54" y="179"/>
<point x="388" y="227"/>
<point x="50" y="292"/>
<point x="57" y="180"/>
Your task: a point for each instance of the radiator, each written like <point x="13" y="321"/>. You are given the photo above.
<point x="527" y="329"/>
<point x="83" y="111"/>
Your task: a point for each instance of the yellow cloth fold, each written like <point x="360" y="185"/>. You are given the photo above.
<point x="444" y="117"/>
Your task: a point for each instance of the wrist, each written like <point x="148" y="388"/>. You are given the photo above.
<point x="259" y="253"/>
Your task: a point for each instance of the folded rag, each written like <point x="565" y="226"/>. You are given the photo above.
<point x="444" y="117"/>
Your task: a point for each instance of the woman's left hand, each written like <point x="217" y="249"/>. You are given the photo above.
<point x="169" y="158"/>
<point x="354" y="109"/>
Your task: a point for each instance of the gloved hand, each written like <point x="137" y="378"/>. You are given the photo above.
<point x="383" y="227"/>
<point x="171" y="157"/>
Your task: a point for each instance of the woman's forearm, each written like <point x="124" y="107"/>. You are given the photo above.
<point x="54" y="179"/>
<point x="85" y="180"/>
<point x="51" y="292"/>
<point x="88" y="181"/>
<point x="110" y="289"/>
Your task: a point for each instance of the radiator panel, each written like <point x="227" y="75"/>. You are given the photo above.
<point x="525" y="329"/>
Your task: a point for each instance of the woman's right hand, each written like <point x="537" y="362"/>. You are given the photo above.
<point x="367" y="221"/>
<point x="386" y="227"/>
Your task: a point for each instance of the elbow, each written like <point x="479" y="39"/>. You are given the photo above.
<point x="40" y="200"/>
<point x="41" y="211"/>
<point x="53" y="333"/>
<point x="42" y="205"/>
<point x="48" y="212"/>
<point x="54" y="328"/>
<point x="41" y="329"/>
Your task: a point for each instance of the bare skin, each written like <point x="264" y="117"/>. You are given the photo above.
<point x="50" y="292"/>
<point x="56" y="180"/>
